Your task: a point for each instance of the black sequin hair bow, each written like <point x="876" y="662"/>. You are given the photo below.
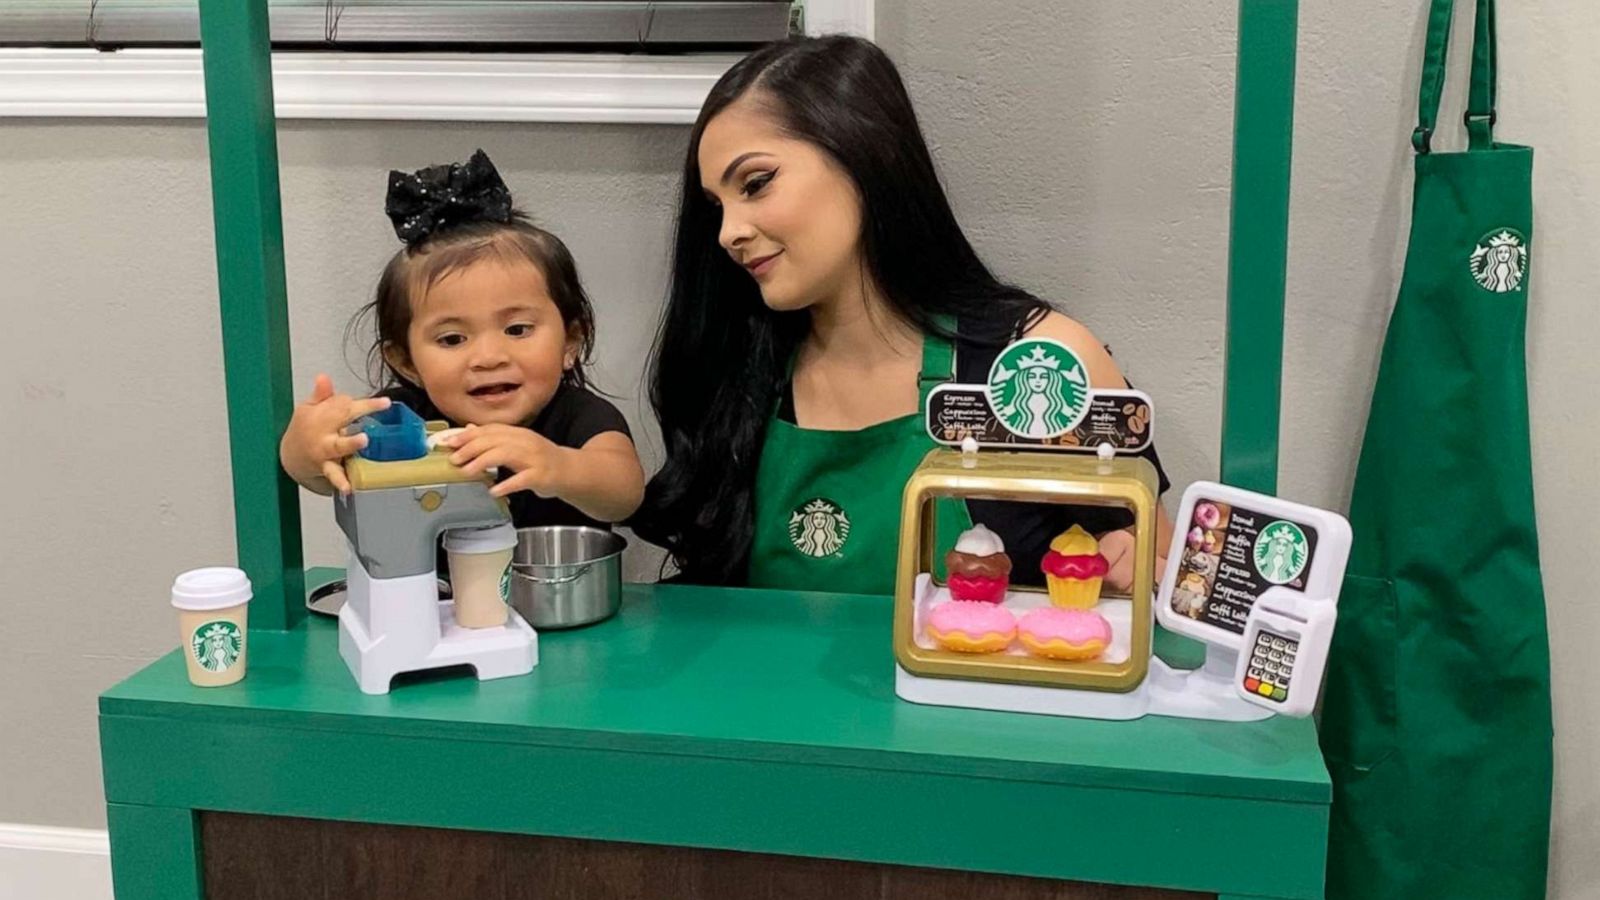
<point x="438" y="198"/>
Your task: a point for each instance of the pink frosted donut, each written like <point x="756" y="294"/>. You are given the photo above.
<point x="1207" y="515"/>
<point x="1064" y="633"/>
<point x="971" y="626"/>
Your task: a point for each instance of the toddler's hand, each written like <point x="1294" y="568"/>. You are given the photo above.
<point x="535" y="459"/>
<point x="314" y="444"/>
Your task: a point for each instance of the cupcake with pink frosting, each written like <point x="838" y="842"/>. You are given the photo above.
<point x="1074" y="569"/>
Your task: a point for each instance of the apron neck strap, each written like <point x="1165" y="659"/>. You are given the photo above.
<point x="1480" y="116"/>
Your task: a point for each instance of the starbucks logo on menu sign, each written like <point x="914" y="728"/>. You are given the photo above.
<point x="1038" y="388"/>
<point x="1281" y="552"/>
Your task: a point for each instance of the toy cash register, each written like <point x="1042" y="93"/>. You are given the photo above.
<point x="1258" y="578"/>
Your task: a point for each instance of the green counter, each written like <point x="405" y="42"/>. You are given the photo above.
<point x="733" y="719"/>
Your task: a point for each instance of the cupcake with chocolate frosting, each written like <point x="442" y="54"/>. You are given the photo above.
<point x="978" y="567"/>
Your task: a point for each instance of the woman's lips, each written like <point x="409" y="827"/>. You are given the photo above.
<point x="762" y="265"/>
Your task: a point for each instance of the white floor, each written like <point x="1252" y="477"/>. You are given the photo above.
<point x="43" y="863"/>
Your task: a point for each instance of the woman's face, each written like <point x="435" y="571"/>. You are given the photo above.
<point x="790" y="215"/>
<point x="1038" y="380"/>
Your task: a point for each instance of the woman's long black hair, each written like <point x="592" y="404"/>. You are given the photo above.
<point x="721" y="355"/>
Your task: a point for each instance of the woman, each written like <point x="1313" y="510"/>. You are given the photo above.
<point x="821" y="286"/>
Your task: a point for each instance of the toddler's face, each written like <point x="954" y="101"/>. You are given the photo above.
<point x="488" y="344"/>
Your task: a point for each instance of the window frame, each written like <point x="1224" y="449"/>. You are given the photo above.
<point x="511" y="87"/>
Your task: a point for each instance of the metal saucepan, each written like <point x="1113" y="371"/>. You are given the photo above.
<point x="564" y="576"/>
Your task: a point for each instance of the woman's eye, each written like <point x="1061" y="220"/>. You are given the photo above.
<point x="521" y="329"/>
<point x="756" y="183"/>
<point x="450" y="340"/>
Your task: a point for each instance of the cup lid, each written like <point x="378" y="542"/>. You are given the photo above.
<point x="488" y="539"/>
<point x="214" y="587"/>
<point x="442" y="434"/>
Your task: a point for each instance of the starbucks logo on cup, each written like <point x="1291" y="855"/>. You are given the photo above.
<point x="216" y="645"/>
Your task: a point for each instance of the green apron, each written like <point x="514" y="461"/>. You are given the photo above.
<point x="827" y="503"/>
<point x="1436" y="717"/>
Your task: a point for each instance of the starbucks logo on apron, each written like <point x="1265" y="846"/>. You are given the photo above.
<point x="216" y="645"/>
<point x="1038" y="388"/>
<point x="1281" y="552"/>
<point x="1500" y="261"/>
<point x="819" y="528"/>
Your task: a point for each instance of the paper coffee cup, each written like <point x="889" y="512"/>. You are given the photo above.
<point x="212" y="623"/>
<point x="480" y="573"/>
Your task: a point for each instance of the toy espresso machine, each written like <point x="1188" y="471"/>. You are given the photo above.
<point x="1254" y="577"/>
<point x="405" y="495"/>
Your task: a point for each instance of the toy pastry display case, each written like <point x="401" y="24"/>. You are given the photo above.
<point x="1064" y="634"/>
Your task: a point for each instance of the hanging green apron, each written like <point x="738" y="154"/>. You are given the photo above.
<point x="827" y="503"/>
<point x="1436" y="717"/>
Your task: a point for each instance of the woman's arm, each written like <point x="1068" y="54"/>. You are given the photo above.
<point x="1102" y="369"/>
<point x="1115" y="546"/>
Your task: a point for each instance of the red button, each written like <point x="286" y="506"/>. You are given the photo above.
<point x="1250" y="684"/>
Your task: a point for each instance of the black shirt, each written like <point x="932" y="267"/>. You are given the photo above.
<point x="1026" y="528"/>
<point x="570" y="419"/>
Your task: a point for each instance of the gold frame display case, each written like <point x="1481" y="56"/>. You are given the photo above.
<point x="1039" y="477"/>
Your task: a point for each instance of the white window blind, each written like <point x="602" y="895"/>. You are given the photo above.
<point x="412" y="25"/>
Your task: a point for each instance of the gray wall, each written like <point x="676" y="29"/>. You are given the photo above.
<point x="1087" y="148"/>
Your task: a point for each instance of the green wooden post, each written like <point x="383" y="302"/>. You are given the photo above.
<point x="1258" y="242"/>
<point x="255" y="317"/>
<point x="155" y="852"/>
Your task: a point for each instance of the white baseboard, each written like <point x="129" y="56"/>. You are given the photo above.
<point x="38" y="862"/>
